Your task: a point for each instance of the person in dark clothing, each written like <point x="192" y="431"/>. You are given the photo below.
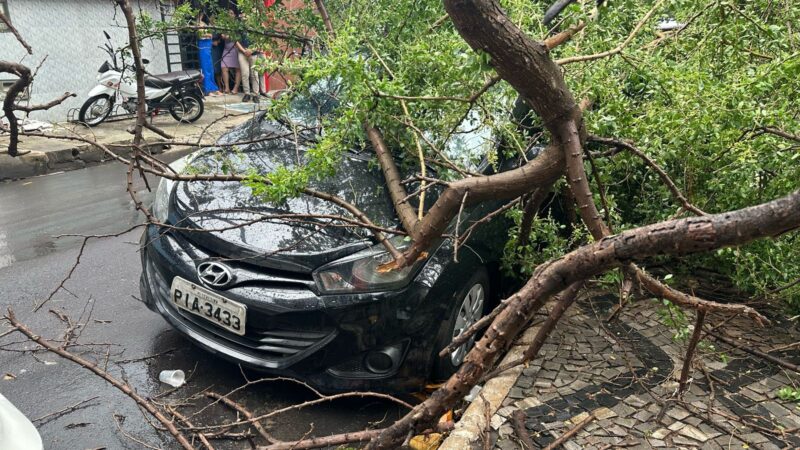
<point x="217" y="44"/>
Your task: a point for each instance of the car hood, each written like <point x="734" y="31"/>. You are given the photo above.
<point x="236" y="224"/>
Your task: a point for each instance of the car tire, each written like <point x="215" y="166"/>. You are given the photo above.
<point x="464" y="313"/>
<point x="97" y="116"/>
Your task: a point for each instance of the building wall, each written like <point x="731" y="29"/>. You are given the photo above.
<point x="67" y="33"/>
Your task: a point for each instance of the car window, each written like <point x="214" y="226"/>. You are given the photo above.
<point x="472" y="141"/>
<point x="308" y="108"/>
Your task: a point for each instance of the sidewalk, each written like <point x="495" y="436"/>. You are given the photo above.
<point x="54" y="155"/>
<point x="623" y="371"/>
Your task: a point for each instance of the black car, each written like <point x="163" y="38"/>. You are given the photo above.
<point x="301" y="297"/>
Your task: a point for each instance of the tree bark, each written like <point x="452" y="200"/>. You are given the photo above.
<point x="391" y="174"/>
<point x="141" y="106"/>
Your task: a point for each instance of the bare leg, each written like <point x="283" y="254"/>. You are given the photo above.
<point x="226" y="80"/>
<point x="237" y="80"/>
<point x="218" y="79"/>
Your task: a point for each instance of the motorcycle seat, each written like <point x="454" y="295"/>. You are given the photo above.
<point x="166" y="80"/>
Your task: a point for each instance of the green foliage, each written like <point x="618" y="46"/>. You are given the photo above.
<point x="674" y="317"/>
<point x="691" y="100"/>
<point x="791" y="394"/>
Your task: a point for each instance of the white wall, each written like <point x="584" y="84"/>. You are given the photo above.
<point x="68" y="32"/>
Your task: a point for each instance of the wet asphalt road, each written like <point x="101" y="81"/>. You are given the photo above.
<point x="33" y="262"/>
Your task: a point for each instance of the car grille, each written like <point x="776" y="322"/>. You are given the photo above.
<point x="281" y="338"/>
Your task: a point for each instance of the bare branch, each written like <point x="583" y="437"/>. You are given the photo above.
<point x="617" y="49"/>
<point x="391" y="174"/>
<point x="571" y="432"/>
<point x="649" y="161"/>
<point x="247" y="415"/>
<point x="124" y="387"/>
<point x="47" y="105"/>
<point x="326" y="19"/>
<point x="687" y="360"/>
<point x="344" y="438"/>
<point x="11" y="27"/>
<point x="562" y="37"/>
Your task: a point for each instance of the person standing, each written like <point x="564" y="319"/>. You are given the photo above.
<point x="252" y="82"/>
<point x="230" y="61"/>
<point x="217" y="44"/>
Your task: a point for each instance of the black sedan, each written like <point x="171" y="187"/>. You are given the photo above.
<point x="280" y="289"/>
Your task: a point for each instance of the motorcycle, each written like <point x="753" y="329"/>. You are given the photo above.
<point x="180" y="92"/>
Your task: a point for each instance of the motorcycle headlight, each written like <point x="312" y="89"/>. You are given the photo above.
<point x="359" y="272"/>
<point x="160" y="207"/>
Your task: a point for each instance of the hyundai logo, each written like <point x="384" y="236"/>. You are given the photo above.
<point x="214" y="274"/>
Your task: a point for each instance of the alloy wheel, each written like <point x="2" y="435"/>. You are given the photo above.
<point x="470" y="311"/>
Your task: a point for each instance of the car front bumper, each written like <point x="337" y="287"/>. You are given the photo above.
<point x="325" y="340"/>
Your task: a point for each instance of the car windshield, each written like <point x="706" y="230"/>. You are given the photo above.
<point x="470" y="144"/>
<point x="307" y="108"/>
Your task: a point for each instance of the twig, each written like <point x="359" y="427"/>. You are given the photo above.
<point x="458" y="226"/>
<point x="65" y="279"/>
<point x="158" y="131"/>
<point x="777" y="132"/>
<point x="55" y="415"/>
<point x="687" y="361"/>
<point x="203" y="438"/>
<point x="784" y="287"/>
<point x="754" y="352"/>
<point x="247" y="414"/>
<point x="344" y="438"/>
<point x="617" y="49"/>
<point x="661" y="173"/>
<point x="562" y="37"/>
<point x="124" y="387"/>
<point x="132" y="437"/>
<point x="563" y="300"/>
<point x="14" y="31"/>
<point x="518" y="422"/>
<point x="326" y="18"/>
<point x="43" y="106"/>
<point x="571" y="432"/>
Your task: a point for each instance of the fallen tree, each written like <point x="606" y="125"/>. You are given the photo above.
<point x="527" y="67"/>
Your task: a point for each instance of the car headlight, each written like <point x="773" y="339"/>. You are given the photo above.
<point x="160" y="208"/>
<point x="359" y="272"/>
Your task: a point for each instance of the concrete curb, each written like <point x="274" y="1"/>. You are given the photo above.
<point x="472" y="425"/>
<point x="41" y="163"/>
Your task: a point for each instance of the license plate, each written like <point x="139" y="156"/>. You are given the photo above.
<point x="209" y="305"/>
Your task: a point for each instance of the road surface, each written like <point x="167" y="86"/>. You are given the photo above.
<point x="33" y="261"/>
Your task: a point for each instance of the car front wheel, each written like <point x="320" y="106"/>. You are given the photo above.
<point x="471" y="304"/>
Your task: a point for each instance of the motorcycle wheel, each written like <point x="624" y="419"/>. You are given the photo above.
<point x="96" y="110"/>
<point x="188" y="109"/>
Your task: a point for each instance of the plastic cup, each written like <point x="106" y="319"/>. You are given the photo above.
<point x="174" y="378"/>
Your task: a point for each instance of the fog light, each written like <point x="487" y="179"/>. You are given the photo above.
<point x="384" y="360"/>
<point x="378" y="362"/>
<point x="374" y="364"/>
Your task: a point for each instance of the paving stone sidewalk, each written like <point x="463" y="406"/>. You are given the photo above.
<point x="625" y="373"/>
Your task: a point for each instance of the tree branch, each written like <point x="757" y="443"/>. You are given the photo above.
<point x="124" y="387"/>
<point x="665" y="178"/>
<point x="16" y="34"/>
<point x="617" y="49"/>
